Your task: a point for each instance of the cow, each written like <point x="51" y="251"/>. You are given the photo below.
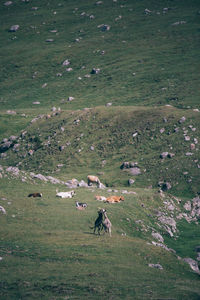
<point x="114" y="199"/>
<point x="93" y="179"/>
<point x="106" y="223"/>
<point x="80" y="205"/>
<point x="66" y="194"/>
<point x="34" y="195"/>
<point x="98" y="222"/>
<point x="100" y="198"/>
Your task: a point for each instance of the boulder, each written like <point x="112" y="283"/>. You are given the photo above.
<point x="14" y="28"/>
<point x="193" y="264"/>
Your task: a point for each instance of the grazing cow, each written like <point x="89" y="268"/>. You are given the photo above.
<point x="34" y="195"/>
<point x="66" y="194"/>
<point x="93" y="179"/>
<point x="114" y="199"/>
<point x="100" y="198"/>
<point x="80" y="205"/>
<point x="106" y="223"/>
<point x="98" y="222"/>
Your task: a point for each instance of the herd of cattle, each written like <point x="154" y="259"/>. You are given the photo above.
<point x="102" y="222"/>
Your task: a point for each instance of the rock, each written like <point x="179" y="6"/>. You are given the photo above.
<point x="164" y="155"/>
<point x="187" y="138"/>
<point x="135" y="134"/>
<point x="193" y="264"/>
<point x="168" y="221"/>
<point x="165" y="186"/>
<point x="131" y="181"/>
<point x="162" y="130"/>
<point x="135" y="171"/>
<point x="49" y="40"/>
<point x="11" y="112"/>
<point x="105" y="27"/>
<point x="14" y="170"/>
<point x="14" y="28"/>
<point x="70" y="98"/>
<point x="39" y="176"/>
<point x="2" y="210"/>
<point x="66" y="63"/>
<point x="158" y="236"/>
<point x="95" y="71"/>
<point x="179" y="23"/>
<point x="54" y="180"/>
<point x="156" y="266"/>
<point x="188" y="154"/>
<point x="82" y="183"/>
<point x="188" y="206"/>
<point x="125" y="165"/>
<point x="36" y="102"/>
<point x="182" y="120"/>
<point x="7" y="3"/>
<point x="108" y="104"/>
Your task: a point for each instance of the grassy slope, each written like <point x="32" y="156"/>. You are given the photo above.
<point x="48" y="250"/>
<point x="147" y="45"/>
<point x="42" y="255"/>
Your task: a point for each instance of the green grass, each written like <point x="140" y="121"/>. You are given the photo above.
<point x="47" y="247"/>
<point x="49" y="250"/>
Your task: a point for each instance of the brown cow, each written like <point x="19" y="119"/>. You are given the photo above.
<point x="114" y="199"/>
<point x="93" y="179"/>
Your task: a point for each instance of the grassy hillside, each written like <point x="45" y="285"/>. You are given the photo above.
<point x="148" y="60"/>
<point x="99" y="141"/>
<point x="129" y="93"/>
<point x="48" y="249"/>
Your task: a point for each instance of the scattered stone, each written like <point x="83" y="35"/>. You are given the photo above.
<point x="66" y="63"/>
<point x="14" y="28"/>
<point x="188" y="154"/>
<point x="131" y="181"/>
<point x="158" y="236"/>
<point x="11" y="112"/>
<point x="135" y="134"/>
<point x="156" y="266"/>
<point x="164" y="155"/>
<point x="182" y="120"/>
<point x="162" y="130"/>
<point x="187" y="138"/>
<point x="44" y="85"/>
<point x="95" y="71"/>
<point x="69" y="69"/>
<point x="7" y="3"/>
<point x="104" y="27"/>
<point x="70" y="98"/>
<point x="188" y="206"/>
<point x="193" y="264"/>
<point x="179" y="23"/>
<point x="2" y="210"/>
<point x="135" y="171"/>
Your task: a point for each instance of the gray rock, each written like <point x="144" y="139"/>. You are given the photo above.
<point x="164" y="155"/>
<point x="188" y="206"/>
<point x="182" y="120"/>
<point x="131" y="181"/>
<point x="95" y="71"/>
<point x="14" y="28"/>
<point x="82" y="183"/>
<point x="158" y="236"/>
<point x="156" y="266"/>
<point x="135" y="171"/>
<point x="193" y="264"/>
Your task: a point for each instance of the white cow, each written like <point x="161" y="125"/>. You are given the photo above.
<point x="66" y="194"/>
